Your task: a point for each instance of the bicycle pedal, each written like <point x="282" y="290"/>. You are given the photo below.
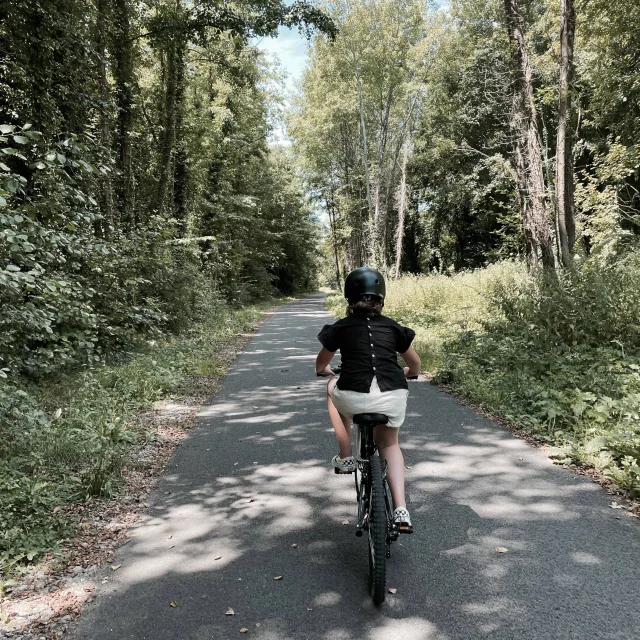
<point x="340" y="471"/>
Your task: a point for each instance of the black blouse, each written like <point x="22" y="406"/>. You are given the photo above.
<point x="369" y="346"/>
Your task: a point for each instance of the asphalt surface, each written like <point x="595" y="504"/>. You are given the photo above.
<point x="254" y="479"/>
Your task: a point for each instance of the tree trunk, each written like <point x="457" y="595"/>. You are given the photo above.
<point x="181" y="173"/>
<point x="403" y="198"/>
<point x="175" y="63"/>
<point x="564" y="144"/>
<point x="365" y="151"/>
<point x="525" y="124"/>
<point x="334" y="240"/>
<point x="105" y="132"/>
<point x="123" y="54"/>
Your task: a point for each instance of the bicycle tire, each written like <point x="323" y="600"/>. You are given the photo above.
<point x="377" y="533"/>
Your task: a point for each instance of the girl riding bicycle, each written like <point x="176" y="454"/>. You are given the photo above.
<point x="371" y="380"/>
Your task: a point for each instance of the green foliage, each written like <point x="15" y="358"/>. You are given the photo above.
<point x="464" y="210"/>
<point x="67" y="439"/>
<point x="558" y="357"/>
<point x="70" y="297"/>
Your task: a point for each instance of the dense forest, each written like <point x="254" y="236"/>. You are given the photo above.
<point x="447" y="139"/>
<point x="485" y="155"/>
<point x="136" y="173"/>
<point x="138" y="197"/>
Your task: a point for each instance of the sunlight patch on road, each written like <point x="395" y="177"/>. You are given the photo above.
<point x="409" y="628"/>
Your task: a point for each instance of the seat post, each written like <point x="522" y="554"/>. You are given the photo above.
<point x="367" y="421"/>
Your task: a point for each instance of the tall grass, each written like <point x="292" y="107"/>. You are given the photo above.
<point x="441" y="307"/>
<point x="559" y="356"/>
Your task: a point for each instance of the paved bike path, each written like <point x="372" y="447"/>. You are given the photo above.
<point x="253" y="480"/>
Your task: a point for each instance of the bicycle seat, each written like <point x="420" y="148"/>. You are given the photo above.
<point x="370" y="418"/>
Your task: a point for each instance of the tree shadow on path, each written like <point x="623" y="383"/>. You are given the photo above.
<point x="254" y="480"/>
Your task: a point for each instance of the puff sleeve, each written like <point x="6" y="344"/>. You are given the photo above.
<point x="328" y="337"/>
<point x="404" y="338"/>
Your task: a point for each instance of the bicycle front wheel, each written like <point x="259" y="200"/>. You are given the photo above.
<point x="377" y="533"/>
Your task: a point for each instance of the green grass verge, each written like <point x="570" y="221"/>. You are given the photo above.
<point x="560" y="359"/>
<point x="67" y="439"/>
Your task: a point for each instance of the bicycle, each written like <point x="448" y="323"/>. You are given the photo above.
<point x="375" y="506"/>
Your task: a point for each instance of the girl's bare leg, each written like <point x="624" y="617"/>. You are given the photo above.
<point x="387" y="440"/>
<point x="341" y="425"/>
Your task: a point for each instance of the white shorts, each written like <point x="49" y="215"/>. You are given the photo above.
<point x="392" y="403"/>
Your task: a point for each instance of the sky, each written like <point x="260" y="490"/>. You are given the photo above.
<point x="291" y="48"/>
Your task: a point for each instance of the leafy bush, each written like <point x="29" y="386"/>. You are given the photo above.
<point x="67" y="438"/>
<point x="558" y="356"/>
<point x="74" y="290"/>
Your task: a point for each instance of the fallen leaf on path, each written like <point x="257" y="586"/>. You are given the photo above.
<point x="615" y="505"/>
<point x="255" y="463"/>
<point x="520" y="458"/>
<point x="308" y="609"/>
<point x="294" y="546"/>
<point x="235" y="464"/>
<point x="502" y="549"/>
<point x="244" y="630"/>
<point x="173" y="604"/>
<point x="408" y="467"/>
<point x="277" y="578"/>
<point x="249" y="499"/>
<point x="229" y="612"/>
<point x="171" y="536"/>
<point x="345" y="522"/>
<point x="115" y="567"/>
<point x="172" y="546"/>
<point x="258" y="624"/>
<point x="218" y="558"/>
<point x="393" y="590"/>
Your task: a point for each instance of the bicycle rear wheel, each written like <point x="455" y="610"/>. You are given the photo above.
<point x="377" y="533"/>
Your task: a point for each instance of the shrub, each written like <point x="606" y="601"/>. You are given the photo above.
<point x="560" y="356"/>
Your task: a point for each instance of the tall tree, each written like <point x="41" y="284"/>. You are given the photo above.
<point x="528" y="148"/>
<point x="564" y="145"/>
<point x="123" y="53"/>
<point x="362" y="83"/>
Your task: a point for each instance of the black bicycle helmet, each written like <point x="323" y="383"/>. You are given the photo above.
<point x="364" y="282"/>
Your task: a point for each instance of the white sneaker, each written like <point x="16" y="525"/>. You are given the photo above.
<point x="344" y="465"/>
<point x="402" y="520"/>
